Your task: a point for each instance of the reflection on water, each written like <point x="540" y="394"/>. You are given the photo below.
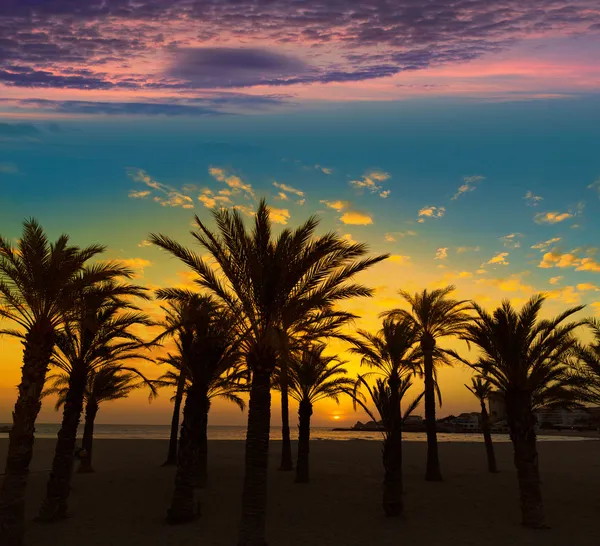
<point x="161" y="432"/>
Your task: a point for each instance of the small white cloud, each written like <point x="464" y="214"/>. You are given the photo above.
<point x="348" y="237"/>
<point x="431" y="212"/>
<point x="555" y="280"/>
<point x="441" y="253"/>
<point x="512" y="240"/>
<point x="469" y="184"/>
<point x="356" y="218"/>
<point x="385" y="194"/>
<point x="300" y="202"/>
<point x="144" y="244"/>
<point x="531" y="199"/>
<point x="551" y="217"/>
<point x="139" y="194"/>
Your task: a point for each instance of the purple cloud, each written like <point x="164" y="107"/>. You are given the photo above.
<point x="70" y="44"/>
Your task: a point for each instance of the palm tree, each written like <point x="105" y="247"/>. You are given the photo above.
<point x="586" y="366"/>
<point x="261" y="279"/>
<point x="175" y="378"/>
<point x="38" y="282"/>
<point x="98" y="331"/>
<point x="387" y="402"/>
<point x="207" y="338"/>
<point x="311" y="377"/>
<point x="434" y="315"/>
<point x="481" y="387"/>
<point x="104" y="383"/>
<point x="394" y="354"/>
<point x="527" y="361"/>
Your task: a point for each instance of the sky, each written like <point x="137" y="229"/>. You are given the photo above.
<point x="460" y="137"/>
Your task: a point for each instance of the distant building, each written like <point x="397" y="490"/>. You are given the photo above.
<point x="562" y="417"/>
<point x="497" y="406"/>
<point x="467" y="421"/>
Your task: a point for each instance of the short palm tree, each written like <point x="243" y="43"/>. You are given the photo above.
<point x="387" y="401"/>
<point x="394" y="354"/>
<point x="104" y="383"/>
<point x="98" y="331"/>
<point x="526" y="360"/>
<point x="38" y="283"/>
<point x="260" y="278"/>
<point x="434" y="315"/>
<point x="207" y="338"/>
<point x="481" y="387"/>
<point x="177" y="379"/>
<point x="312" y="377"/>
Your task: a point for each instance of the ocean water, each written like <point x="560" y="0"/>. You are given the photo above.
<point x="161" y="432"/>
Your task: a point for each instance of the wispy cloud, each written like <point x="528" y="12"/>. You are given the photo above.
<point x="138" y="265"/>
<point x="498" y="259"/>
<point x="531" y="199"/>
<point x="441" y="253"/>
<point x="555" y="280"/>
<point x="469" y="184"/>
<point x="236" y="184"/>
<point x="211" y="199"/>
<point x="399" y="259"/>
<point x="371" y="181"/>
<point x="144" y="243"/>
<point x="431" y="212"/>
<point x="512" y="240"/>
<point x="288" y="189"/>
<point x="552" y="217"/>
<point x="139" y="194"/>
<point x="168" y="196"/>
<point x="544" y="245"/>
<point x="337" y="205"/>
<point x="595" y="186"/>
<point x="395" y="235"/>
<point x="463" y="249"/>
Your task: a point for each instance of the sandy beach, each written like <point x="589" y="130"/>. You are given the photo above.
<point x="124" y="502"/>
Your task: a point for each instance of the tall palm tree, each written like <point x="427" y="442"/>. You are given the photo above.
<point x="259" y="278"/>
<point x="206" y="335"/>
<point x="393" y="353"/>
<point x="481" y="387"/>
<point x="98" y="331"/>
<point x="312" y="376"/>
<point x="104" y="383"/>
<point x="526" y="359"/>
<point x="387" y="401"/>
<point x="434" y="315"/>
<point x="38" y="282"/>
<point x="177" y="379"/>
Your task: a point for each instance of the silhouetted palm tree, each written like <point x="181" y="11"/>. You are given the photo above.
<point x="312" y="377"/>
<point x="177" y="379"/>
<point x="393" y="353"/>
<point x="98" y="331"/>
<point x="260" y="279"/>
<point x="587" y="366"/>
<point x="104" y="383"/>
<point x="38" y="283"/>
<point x="526" y="360"/>
<point x="481" y="388"/>
<point x="386" y="403"/>
<point x="435" y="315"/>
<point x="207" y="338"/>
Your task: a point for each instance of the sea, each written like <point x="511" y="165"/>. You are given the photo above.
<point x="161" y="432"/>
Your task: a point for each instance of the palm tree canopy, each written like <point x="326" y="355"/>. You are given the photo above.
<point x="99" y="328"/>
<point x="208" y="343"/>
<point x="433" y="313"/>
<point x="266" y="281"/>
<point x="586" y="366"/>
<point x="524" y="353"/>
<point x="39" y="279"/>
<point x="481" y="387"/>
<point x="313" y="376"/>
<point x="393" y="350"/>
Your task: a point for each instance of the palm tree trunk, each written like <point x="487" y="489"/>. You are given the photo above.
<point x="201" y="468"/>
<point x="433" y="472"/>
<point x="392" y="502"/>
<point x="487" y="438"/>
<point x="172" y="454"/>
<point x="254" y="496"/>
<point x="195" y="410"/>
<point x="286" y="442"/>
<point x="38" y="346"/>
<point x="521" y="422"/>
<point x="54" y="506"/>
<point x="304" y="414"/>
<point x="91" y="410"/>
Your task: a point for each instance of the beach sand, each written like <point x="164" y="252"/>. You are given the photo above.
<point x="124" y="502"/>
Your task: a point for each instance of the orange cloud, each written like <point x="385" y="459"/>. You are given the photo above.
<point x="356" y="218"/>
